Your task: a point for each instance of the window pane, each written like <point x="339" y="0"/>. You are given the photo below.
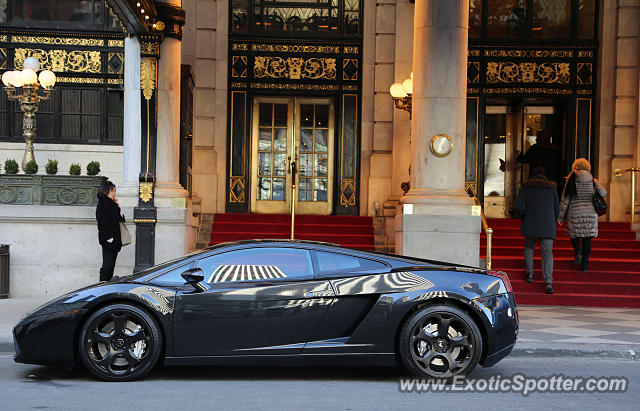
<point x="551" y="19"/>
<point x="172" y="277"/>
<point x="586" y="19"/>
<point x="321" y="140"/>
<point x="264" y="164"/>
<point x="264" y="188"/>
<point x="280" y="115"/>
<point x="339" y="263"/>
<point x="507" y="18"/>
<point x="305" y="193"/>
<point x="264" y="139"/>
<point x="278" y="189"/>
<point x="306" y="115"/>
<point x="322" y="161"/>
<point x="280" y="139"/>
<point x="265" y="112"/>
<point x="306" y="165"/>
<point x="279" y="164"/>
<point x="257" y="264"/>
<point x="306" y="141"/>
<point x="240" y="19"/>
<point x="320" y="189"/>
<point x="475" y="18"/>
<point x="322" y="116"/>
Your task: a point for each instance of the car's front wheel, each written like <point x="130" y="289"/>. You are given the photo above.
<point x="441" y="342"/>
<point x="120" y="342"/>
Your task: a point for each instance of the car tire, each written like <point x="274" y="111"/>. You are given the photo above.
<point x="120" y="342"/>
<point x="426" y="354"/>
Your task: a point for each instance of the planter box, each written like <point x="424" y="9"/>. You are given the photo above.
<point x="54" y="190"/>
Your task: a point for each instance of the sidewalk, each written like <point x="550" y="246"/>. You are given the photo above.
<point x="544" y="330"/>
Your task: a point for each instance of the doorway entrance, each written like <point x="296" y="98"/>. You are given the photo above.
<point x="292" y="143"/>
<point x="511" y="128"/>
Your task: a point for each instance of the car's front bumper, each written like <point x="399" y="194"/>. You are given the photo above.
<point x="47" y="339"/>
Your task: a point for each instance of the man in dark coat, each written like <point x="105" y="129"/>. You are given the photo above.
<point x="543" y="154"/>
<point x="538" y="207"/>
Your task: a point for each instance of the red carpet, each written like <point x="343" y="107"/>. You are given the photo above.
<point x="613" y="279"/>
<point x="347" y="231"/>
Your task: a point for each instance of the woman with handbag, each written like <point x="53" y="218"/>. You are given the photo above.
<point x="110" y="219"/>
<point x="577" y="207"/>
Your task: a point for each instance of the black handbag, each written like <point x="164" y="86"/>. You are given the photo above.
<point x="599" y="203"/>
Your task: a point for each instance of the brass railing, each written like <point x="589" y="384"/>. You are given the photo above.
<point x="488" y="231"/>
<point x="619" y="172"/>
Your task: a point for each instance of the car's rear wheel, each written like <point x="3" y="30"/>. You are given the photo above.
<point x="120" y="342"/>
<point x="441" y="342"/>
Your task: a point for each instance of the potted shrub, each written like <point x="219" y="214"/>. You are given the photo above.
<point x="31" y="167"/>
<point x="11" y="166"/>
<point x="52" y="167"/>
<point x="75" y="169"/>
<point x="93" y="168"/>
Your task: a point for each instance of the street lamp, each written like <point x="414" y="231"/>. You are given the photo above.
<point x="27" y="79"/>
<point x="401" y="93"/>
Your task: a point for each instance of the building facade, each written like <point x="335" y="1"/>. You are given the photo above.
<point x="212" y="106"/>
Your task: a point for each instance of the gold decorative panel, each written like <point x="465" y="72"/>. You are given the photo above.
<point x="527" y="90"/>
<point x="351" y="50"/>
<point x="76" y="61"/>
<point x="528" y="53"/>
<point x="59" y="41"/>
<point x="529" y="72"/>
<point x="149" y="47"/>
<point x="148" y="72"/>
<point x="3" y="58"/>
<point x="146" y="191"/>
<point x="241" y="47"/>
<point x="116" y="43"/>
<point x="295" y="68"/>
<point x="471" y="187"/>
<point x="236" y="190"/>
<point x="309" y="87"/>
<point x="239" y="66"/>
<point x="294" y="48"/>
<point x="350" y="69"/>
<point x="81" y="80"/>
<point x="347" y="192"/>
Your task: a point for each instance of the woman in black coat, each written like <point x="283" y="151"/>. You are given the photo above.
<point x="109" y="215"/>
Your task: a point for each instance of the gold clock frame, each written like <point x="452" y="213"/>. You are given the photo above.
<point x="433" y="150"/>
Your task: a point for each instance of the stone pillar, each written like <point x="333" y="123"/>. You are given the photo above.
<point x="168" y="191"/>
<point x="128" y="190"/>
<point x="435" y="218"/>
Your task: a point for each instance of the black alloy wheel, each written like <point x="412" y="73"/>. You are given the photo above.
<point x="440" y="342"/>
<point x="120" y="342"/>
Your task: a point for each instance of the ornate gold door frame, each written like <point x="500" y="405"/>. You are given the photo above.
<point x="306" y="137"/>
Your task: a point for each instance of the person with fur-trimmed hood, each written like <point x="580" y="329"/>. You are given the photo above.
<point x="577" y="208"/>
<point x="538" y="206"/>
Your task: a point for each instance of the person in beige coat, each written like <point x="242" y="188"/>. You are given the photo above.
<point x="577" y="208"/>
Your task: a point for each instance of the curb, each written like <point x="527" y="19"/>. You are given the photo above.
<point x="625" y="353"/>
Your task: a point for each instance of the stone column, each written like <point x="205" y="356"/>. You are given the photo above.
<point x="128" y="190"/>
<point x="435" y="218"/>
<point x="168" y="191"/>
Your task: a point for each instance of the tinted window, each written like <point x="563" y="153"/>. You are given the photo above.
<point x="171" y="277"/>
<point x="257" y="264"/>
<point x="329" y="263"/>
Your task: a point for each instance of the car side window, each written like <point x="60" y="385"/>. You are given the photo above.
<point x="172" y="277"/>
<point x="259" y="263"/>
<point x="330" y="263"/>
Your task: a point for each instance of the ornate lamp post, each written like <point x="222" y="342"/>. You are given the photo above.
<point x="27" y="80"/>
<point x="401" y="93"/>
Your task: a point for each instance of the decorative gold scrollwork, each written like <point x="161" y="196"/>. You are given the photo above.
<point x="146" y="191"/>
<point x="62" y="41"/>
<point x="528" y="72"/>
<point x="295" y="68"/>
<point x="78" y="61"/>
<point x="148" y="76"/>
<point x="347" y="192"/>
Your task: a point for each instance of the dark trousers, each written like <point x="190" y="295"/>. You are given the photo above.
<point x="108" y="264"/>
<point x="583" y="249"/>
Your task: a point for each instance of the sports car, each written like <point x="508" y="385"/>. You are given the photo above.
<point x="279" y="302"/>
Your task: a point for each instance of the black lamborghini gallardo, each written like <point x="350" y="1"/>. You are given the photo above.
<point x="279" y="302"/>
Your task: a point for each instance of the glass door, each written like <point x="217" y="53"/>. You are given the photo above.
<point x="292" y="143"/>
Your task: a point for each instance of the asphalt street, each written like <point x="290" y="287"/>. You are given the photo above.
<point x="24" y="387"/>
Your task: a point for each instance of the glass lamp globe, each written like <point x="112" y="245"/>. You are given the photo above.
<point x="29" y="77"/>
<point x="6" y="78"/>
<point x="397" y="91"/>
<point x="32" y="63"/>
<point x="16" y="78"/>
<point x="407" y="86"/>
<point x="47" y="78"/>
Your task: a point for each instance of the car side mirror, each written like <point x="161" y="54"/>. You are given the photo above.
<point x="194" y="277"/>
